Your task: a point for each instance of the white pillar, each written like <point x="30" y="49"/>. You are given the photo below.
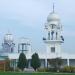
<point x="45" y="62"/>
<point x="68" y="64"/>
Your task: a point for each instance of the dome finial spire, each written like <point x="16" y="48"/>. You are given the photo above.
<point x="8" y="31"/>
<point x="53" y="7"/>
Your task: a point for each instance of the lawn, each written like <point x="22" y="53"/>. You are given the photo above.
<point x="14" y="73"/>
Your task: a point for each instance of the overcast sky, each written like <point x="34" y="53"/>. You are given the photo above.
<point x="26" y="18"/>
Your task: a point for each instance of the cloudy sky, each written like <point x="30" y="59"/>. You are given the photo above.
<point x="26" y="18"/>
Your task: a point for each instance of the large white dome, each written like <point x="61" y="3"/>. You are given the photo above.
<point x="8" y="37"/>
<point x="53" y="17"/>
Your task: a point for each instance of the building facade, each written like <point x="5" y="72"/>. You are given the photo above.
<point x="52" y="40"/>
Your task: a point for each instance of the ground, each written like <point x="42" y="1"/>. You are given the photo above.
<point x="14" y="73"/>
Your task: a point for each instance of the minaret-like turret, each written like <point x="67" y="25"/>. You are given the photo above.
<point x="8" y="44"/>
<point x="24" y="46"/>
<point x="53" y="38"/>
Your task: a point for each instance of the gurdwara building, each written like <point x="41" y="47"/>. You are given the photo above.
<point x="53" y="44"/>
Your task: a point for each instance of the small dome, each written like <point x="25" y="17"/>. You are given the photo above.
<point x="8" y="37"/>
<point x="53" y="17"/>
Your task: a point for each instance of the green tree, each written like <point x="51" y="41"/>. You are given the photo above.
<point x="56" y="63"/>
<point x="22" y="62"/>
<point x="35" y="61"/>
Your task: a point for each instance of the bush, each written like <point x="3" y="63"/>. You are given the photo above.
<point x="72" y="69"/>
<point x="69" y="69"/>
<point x="52" y="69"/>
<point x="66" y="69"/>
<point x="43" y="69"/>
<point x="17" y="69"/>
<point x="11" y="69"/>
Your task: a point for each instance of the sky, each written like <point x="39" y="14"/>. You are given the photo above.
<point x="26" y="18"/>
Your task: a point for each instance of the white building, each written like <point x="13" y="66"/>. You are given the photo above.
<point x="53" y="41"/>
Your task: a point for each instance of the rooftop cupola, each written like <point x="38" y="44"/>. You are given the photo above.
<point x="53" y="17"/>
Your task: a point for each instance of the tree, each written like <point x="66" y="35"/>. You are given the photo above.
<point x="35" y="61"/>
<point x="56" y="63"/>
<point x="22" y="62"/>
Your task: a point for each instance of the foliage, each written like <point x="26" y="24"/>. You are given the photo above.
<point x="69" y="69"/>
<point x="43" y="69"/>
<point x="55" y="63"/>
<point x="35" y="61"/>
<point x="11" y="69"/>
<point x="22" y="62"/>
<point x="17" y="70"/>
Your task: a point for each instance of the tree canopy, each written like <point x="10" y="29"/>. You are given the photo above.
<point x="22" y="62"/>
<point x="35" y="61"/>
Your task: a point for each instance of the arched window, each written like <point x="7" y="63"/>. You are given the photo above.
<point x="52" y="49"/>
<point x="52" y="35"/>
<point x="11" y="50"/>
<point x="49" y="35"/>
<point x="56" y="35"/>
<point x="52" y="26"/>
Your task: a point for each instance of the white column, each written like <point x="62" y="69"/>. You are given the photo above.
<point x="45" y="62"/>
<point x="68" y="64"/>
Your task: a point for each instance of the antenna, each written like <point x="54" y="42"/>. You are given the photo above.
<point x="53" y="7"/>
<point x="8" y="32"/>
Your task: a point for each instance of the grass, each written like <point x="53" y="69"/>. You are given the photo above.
<point x="35" y="73"/>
